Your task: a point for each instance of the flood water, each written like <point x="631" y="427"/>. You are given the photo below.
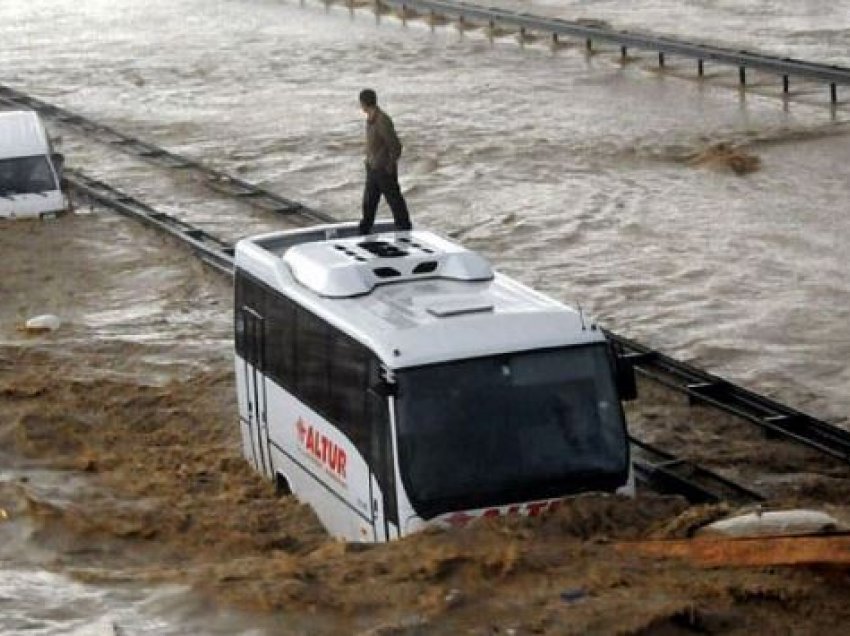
<point x="574" y="173"/>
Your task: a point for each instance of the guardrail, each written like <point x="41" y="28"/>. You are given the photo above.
<point x="785" y="67"/>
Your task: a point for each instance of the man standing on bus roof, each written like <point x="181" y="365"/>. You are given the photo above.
<point x="383" y="150"/>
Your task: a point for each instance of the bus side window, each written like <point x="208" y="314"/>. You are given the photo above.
<point x="348" y="383"/>
<point x="238" y="321"/>
<point x="249" y="294"/>
<point x="311" y="377"/>
<point x="280" y="340"/>
<point x="381" y="455"/>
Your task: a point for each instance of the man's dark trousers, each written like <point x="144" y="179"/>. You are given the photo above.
<point x="380" y="182"/>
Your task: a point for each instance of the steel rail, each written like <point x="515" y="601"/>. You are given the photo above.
<point x="217" y="180"/>
<point x="666" y="473"/>
<point x="654" y="468"/>
<point x="742" y="59"/>
<point x="212" y="250"/>
<point x="700" y="386"/>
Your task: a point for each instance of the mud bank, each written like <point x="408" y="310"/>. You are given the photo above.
<point x="169" y="498"/>
<point x="172" y="501"/>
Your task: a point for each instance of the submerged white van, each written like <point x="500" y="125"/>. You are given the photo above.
<point x="30" y="173"/>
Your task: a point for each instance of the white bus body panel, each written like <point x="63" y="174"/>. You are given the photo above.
<point x="349" y="510"/>
<point x="405" y="324"/>
<point x="460" y="518"/>
<point x="22" y="135"/>
<point x="318" y="462"/>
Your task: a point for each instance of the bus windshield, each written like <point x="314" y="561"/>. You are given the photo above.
<point x="26" y="175"/>
<point x="510" y="428"/>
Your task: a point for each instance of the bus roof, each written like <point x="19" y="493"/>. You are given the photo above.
<point x="22" y="134"/>
<point x="413" y="298"/>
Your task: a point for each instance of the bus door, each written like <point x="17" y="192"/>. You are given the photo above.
<point x="383" y="487"/>
<point x="255" y="388"/>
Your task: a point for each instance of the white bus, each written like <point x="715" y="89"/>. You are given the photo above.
<point x="396" y="380"/>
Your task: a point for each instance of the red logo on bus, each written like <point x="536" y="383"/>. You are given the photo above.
<point x="321" y="449"/>
<point x="533" y="509"/>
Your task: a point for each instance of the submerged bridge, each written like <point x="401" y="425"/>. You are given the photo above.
<point x="784" y="67"/>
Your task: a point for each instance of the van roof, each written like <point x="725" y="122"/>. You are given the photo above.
<point x="22" y="134"/>
<point x="457" y="308"/>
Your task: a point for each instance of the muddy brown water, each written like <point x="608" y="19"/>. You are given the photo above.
<point x="697" y="219"/>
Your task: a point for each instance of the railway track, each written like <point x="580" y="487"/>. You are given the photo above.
<point x="774" y="418"/>
<point x="223" y="183"/>
<point x="655" y="467"/>
<point x="210" y="249"/>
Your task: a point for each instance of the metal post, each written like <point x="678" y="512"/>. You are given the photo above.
<point x="588" y="44"/>
<point x="785" y="84"/>
<point x="833" y="93"/>
<point x="661" y="58"/>
<point x="700" y="68"/>
<point x="554" y="38"/>
<point x="742" y="74"/>
<point x="404" y="15"/>
<point x="623" y="51"/>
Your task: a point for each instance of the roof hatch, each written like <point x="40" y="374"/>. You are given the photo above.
<point x="458" y="306"/>
<point x="341" y="268"/>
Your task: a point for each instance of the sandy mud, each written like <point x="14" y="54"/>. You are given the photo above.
<point x="149" y="425"/>
<point x="725" y="156"/>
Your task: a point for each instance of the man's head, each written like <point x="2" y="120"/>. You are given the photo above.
<point x="368" y="100"/>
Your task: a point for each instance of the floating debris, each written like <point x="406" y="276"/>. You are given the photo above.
<point x="726" y="155"/>
<point x="774" y="524"/>
<point x="42" y="324"/>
